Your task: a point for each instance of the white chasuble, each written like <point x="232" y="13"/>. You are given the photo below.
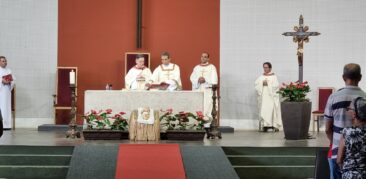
<point x="268" y="101"/>
<point x="168" y="74"/>
<point x="209" y="73"/>
<point x="5" y="98"/>
<point x="136" y="78"/>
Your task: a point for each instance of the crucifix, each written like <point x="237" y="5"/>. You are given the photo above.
<point x="300" y="36"/>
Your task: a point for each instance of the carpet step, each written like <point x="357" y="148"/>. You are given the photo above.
<point x="271" y="160"/>
<point x="43" y="160"/>
<point x="275" y="172"/>
<point x="21" y="172"/>
<point x="59" y="150"/>
<point x="270" y="150"/>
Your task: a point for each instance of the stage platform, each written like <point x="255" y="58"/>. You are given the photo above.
<point x="243" y="154"/>
<point x="32" y="137"/>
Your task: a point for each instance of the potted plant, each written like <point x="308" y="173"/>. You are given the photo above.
<point x="183" y="125"/>
<point x="295" y="109"/>
<point x="104" y="125"/>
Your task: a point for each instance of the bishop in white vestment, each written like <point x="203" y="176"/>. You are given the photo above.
<point x="5" y="93"/>
<point x="138" y="76"/>
<point x="266" y="87"/>
<point x="167" y="73"/>
<point x="203" y="77"/>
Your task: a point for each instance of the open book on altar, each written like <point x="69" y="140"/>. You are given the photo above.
<point x="8" y="77"/>
<point x="161" y="86"/>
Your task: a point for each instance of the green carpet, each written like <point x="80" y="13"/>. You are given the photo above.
<point x="206" y="162"/>
<point x="272" y="162"/>
<point x="34" y="161"/>
<point x="93" y="162"/>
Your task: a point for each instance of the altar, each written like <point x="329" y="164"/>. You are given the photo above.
<point x="127" y="101"/>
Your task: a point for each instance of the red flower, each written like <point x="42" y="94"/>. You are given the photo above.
<point x="117" y="116"/>
<point x="169" y="111"/>
<point x="109" y="111"/>
<point x="122" y="113"/>
<point x="200" y="114"/>
<point x="93" y="111"/>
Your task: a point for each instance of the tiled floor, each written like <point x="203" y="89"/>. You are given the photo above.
<point x="239" y="138"/>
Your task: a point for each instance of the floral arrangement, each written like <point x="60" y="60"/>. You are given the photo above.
<point x="104" y="119"/>
<point x="294" y="92"/>
<point x="182" y="120"/>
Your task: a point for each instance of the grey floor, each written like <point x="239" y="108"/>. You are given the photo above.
<point x="238" y="138"/>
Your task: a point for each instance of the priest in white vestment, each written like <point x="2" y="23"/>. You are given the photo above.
<point x="6" y="86"/>
<point x="203" y="77"/>
<point x="168" y="73"/>
<point x="138" y="76"/>
<point x="267" y="86"/>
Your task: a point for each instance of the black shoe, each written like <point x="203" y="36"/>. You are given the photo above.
<point x="7" y="129"/>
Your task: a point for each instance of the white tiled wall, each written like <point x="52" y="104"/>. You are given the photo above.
<point x="28" y="38"/>
<point x="250" y="33"/>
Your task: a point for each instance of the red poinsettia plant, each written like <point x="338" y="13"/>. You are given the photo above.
<point x="104" y="119"/>
<point x="294" y="91"/>
<point x="182" y="120"/>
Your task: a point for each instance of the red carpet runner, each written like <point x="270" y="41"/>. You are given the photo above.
<point x="149" y="161"/>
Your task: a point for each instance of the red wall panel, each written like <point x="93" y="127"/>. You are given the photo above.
<point x="95" y="34"/>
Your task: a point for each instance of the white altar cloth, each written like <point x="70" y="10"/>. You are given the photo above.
<point x="127" y="101"/>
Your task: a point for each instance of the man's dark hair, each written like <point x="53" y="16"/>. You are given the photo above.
<point x="359" y="105"/>
<point x="165" y="54"/>
<point x="3" y="57"/>
<point x="139" y="56"/>
<point x="352" y="71"/>
<point x="208" y="55"/>
<point x="267" y="63"/>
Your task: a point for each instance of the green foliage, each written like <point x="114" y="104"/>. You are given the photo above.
<point x="295" y="92"/>
<point x="182" y="120"/>
<point x="105" y="120"/>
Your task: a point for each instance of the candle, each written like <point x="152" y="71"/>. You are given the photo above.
<point x="72" y="77"/>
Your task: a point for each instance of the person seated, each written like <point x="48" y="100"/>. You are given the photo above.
<point x="138" y="75"/>
<point x="352" y="147"/>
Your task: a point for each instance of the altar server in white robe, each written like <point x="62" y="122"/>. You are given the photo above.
<point x="168" y="73"/>
<point x="7" y="84"/>
<point x="138" y="76"/>
<point x="266" y="87"/>
<point x="203" y="77"/>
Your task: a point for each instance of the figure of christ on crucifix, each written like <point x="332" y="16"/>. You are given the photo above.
<point x="300" y="36"/>
<point x="166" y="73"/>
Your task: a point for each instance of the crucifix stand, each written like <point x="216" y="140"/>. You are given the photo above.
<point x="214" y="128"/>
<point x="300" y="36"/>
<point x="72" y="132"/>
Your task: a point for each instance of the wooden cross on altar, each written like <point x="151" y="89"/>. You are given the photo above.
<point x="300" y="36"/>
